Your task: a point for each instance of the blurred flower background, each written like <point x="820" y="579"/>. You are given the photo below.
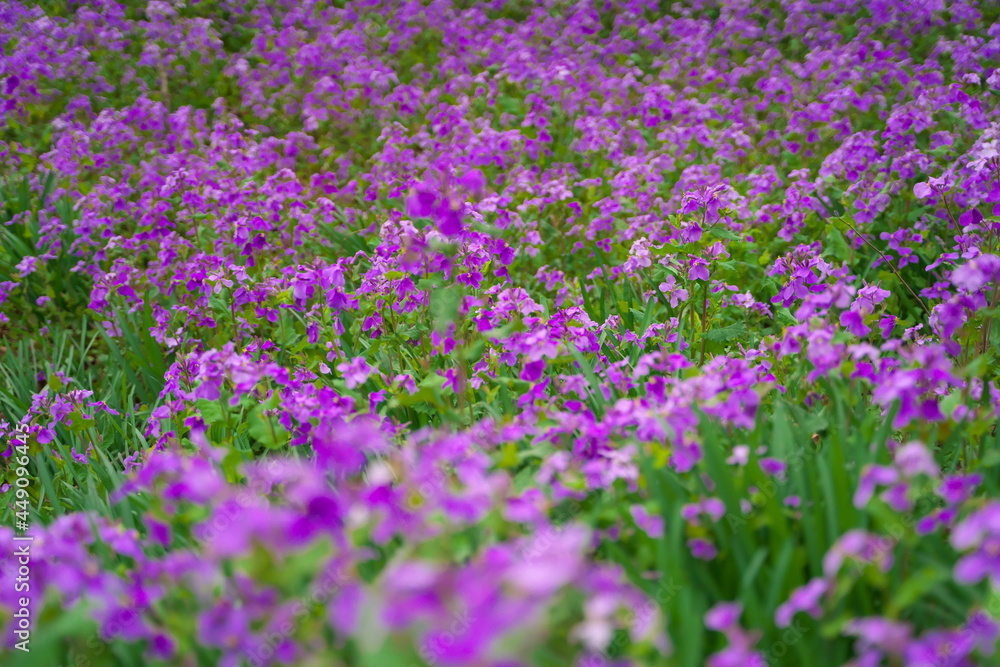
<point x="504" y="333"/>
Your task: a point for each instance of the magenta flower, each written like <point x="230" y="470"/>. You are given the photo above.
<point x="724" y="617"/>
<point x="977" y="273"/>
<point x="421" y="202"/>
<point x="697" y="269"/>
<point x="914" y="459"/>
<point x="956" y="489"/>
<point x="426" y="202"/>
<point x="854" y="322"/>
<point x="473" y="180"/>
<point x="872" y="477"/>
<point x="672" y="289"/>
<point x="355" y="372"/>
<point x="875" y="632"/>
<point x="978" y="534"/>
<point x="702" y="549"/>
<point x="453" y="380"/>
<point x="932" y="187"/>
<point x="650" y="524"/>
<point x="805" y="598"/>
<point x="861" y="547"/>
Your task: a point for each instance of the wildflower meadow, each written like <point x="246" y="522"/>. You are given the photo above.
<point x="501" y="333"/>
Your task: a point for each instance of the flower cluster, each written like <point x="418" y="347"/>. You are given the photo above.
<point x="450" y="333"/>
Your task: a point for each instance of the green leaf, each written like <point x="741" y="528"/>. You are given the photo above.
<point x="231" y="463"/>
<point x="731" y="332"/>
<point x="916" y="585"/>
<point x="55" y="384"/>
<point x="784" y="317"/>
<point x="266" y="430"/>
<point x="389" y="655"/>
<point x="588" y="372"/>
<point x="835" y="245"/>
<point x="508" y="456"/>
<point x="444" y="306"/>
<point x="211" y="411"/>
<point x="78" y="423"/>
<point x="723" y="233"/>
<point x="990" y="459"/>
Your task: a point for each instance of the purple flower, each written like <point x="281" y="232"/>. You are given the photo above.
<point x="740" y="455"/>
<point x="854" y="322"/>
<point x="940" y="517"/>
<point x="550" y="561"/>
<point x="344" y="609"/>
<point x="473" y="180"/>
<point x="27" y="266"/>
<point x="698" y="269"/>
<point x="940" y="648"/>
<point x="453" y="380"/>
<point x="355" y="372"/>
<point x="977" y="273"/>
<point x="805" y="598"/>
<point x="420" y="203"/>
<point x="930" y="188"/>
<point x="712" y="507"/>
<point x="736" y="657"/>
<point x="914" y="459"/>
<point x="322" y="512"/>
<point x="772" y="466"/>
<point x="956" y="489"/>
<point x="863" y="548"/>
<point x="723" y="616"/>
<point x="652" y="525"/>
<point x="449" y="219"/>
<point x="533" y="370"/>
<point x="871" y="477"/>
<point x="162" y="647"/>
<point x="977" y="526"/>
<point x="690" y="512"/>
<point x="159" y="532"/>
<point x="225" y="625"/>
<point x="982" y="630"/>
<point x="672" y="289"/>
<point x="886" y="324"/>
<point x="702" y="549"/>
<point x="882" y="633"/>
<point x="868" y="297"/>
<point x="982" y="563"/>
